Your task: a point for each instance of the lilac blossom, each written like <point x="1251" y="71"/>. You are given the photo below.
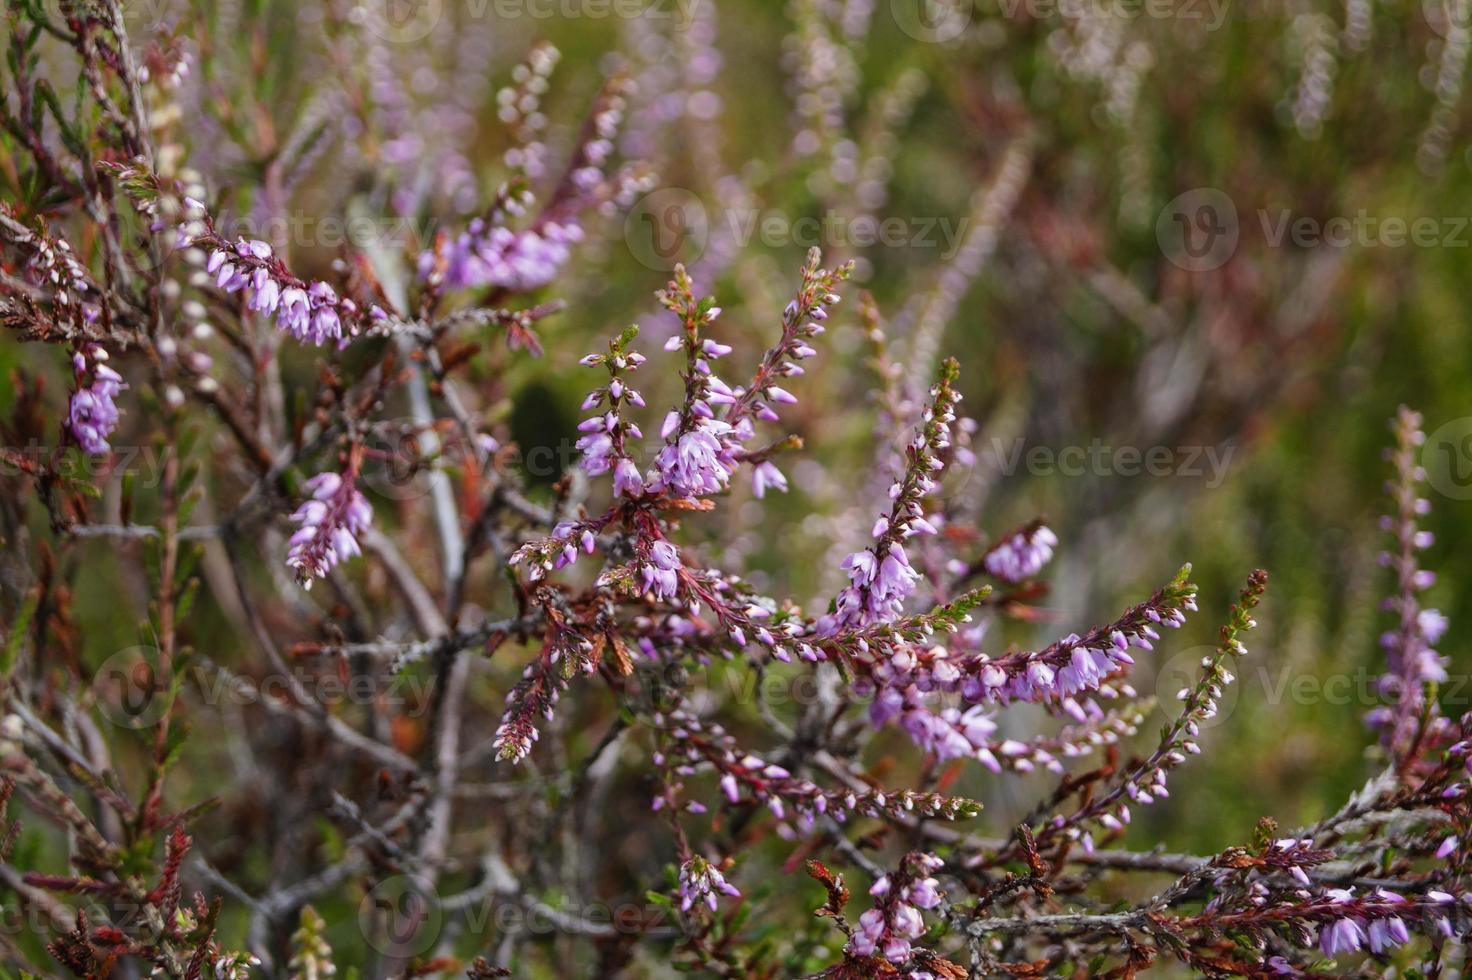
<point x="881" y="577"/>
<point x="605" y="435"/>
<point x="1022" y="555"/>
<point x="891" y="926"/>
<point x="330" y="522"/>
<point x="502" y="258"/>
<point x="92" y="413"/>
<point x="1412" y="663"/>
<point x="311" y="312"/>
<point x="702" y="883"/>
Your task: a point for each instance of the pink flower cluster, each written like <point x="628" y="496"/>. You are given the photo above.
<point x="312" y="312"/>
<point x="881" y="577"/>
<point x="92" y="413"/>
<point x="1023" y="555"/>
<point x="515" y="260"/>
<point x="330" y="522"/>
<point x="604" y="438"/>
<point x="1376" y="921"/>
<point x="701" y="882"/>
<point x="690" y="745"/>
<point x="489" y="254"/>
<point x="891" y="926"/>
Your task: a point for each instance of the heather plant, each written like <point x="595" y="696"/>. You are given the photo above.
<point x="311" y="669"/>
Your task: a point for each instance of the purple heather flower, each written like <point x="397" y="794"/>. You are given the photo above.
<point x="330" y="522"/>
<point x="701" y="882"/>
<point x="925" y="893"/>
<point x="880" y="577"/>
<point x="314" y="314"/>
<point x="765" y="474"/>
<point x="507" y="259"/>
<point x="660" y="574"/>
<point x="1341" y="936"/>
<point x="1432" y="624"/>
<point x="1386" y="934"/>
<point x="604" y="441"/>
<point x="92" y="413"/>
<point x="871" y="928"/>
<point x="697" y="462"/>
<point x="626" y="479"/>
<point x="1022" y="556"/>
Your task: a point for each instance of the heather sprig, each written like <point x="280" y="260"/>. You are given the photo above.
<point x="690" y="746"/>
<point x="698" y="454"/>
<point x="894" y="923"/>
<point x="702" y="883"/>
<point x="803" y="320"/>
<point x="491" y="254"/>
<point x="1020" y="555"/>
<point x="1414" y="668"/>
<point x="1147" y="780"/>
<point x="331" y="519"/>
<point x="92" y="413"/>
<point x="310" y="311"/>
<point x="881" y="577"/>
<point x="604" y="443"/>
